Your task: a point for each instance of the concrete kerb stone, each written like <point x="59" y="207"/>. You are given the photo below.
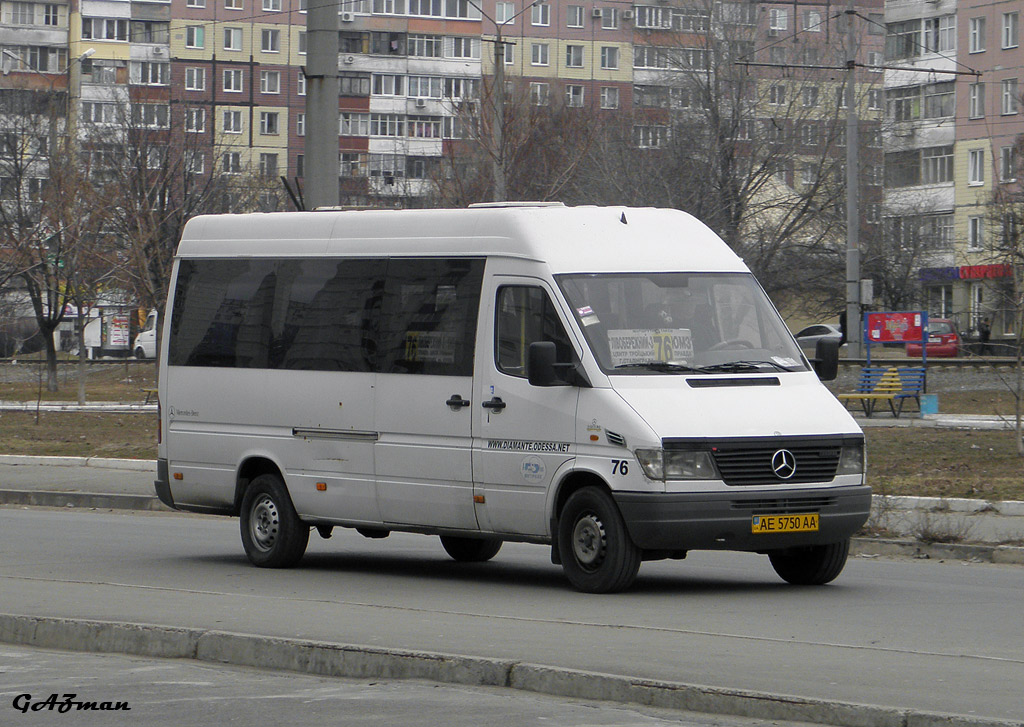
<point x="135" y="465"/>
<point x="82" y="500"/>
<point x="358" y="662"/>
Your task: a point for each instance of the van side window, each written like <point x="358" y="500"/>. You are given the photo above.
<point x="525" y="314"/>
<point x="293" y="314"/>
<point x="429" y="315"/>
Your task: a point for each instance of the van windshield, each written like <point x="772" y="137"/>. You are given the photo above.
<point x="660" y="323"/>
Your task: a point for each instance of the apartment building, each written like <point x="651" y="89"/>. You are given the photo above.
<point x="228" y="74"/>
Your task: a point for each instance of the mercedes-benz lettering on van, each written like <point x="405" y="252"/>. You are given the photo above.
<point x="612" y="382"/>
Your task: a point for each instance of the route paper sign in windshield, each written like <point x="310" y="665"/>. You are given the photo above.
<point x="643" y="345"/>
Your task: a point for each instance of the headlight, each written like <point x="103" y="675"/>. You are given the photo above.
<point x="852" y="460"/>
<point x="659" y="464"/>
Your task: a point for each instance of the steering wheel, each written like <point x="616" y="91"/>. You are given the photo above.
<point x="731" y="343"/>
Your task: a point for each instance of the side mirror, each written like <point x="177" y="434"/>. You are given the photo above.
<point x="540" y="364"/>
<point x="826" y="359"/>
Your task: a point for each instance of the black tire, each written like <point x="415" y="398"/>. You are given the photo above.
<point x="272" y="534"/>
<point x="470" y="550"/>
<point x="598" y="556"/>
<point x="140" y="354"/>
<point x="814" y="565"/>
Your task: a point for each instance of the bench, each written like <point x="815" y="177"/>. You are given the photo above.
<point x="892" y="384"/>
<point x="150" y="395"/>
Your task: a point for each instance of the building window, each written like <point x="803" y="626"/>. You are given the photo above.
<point x="273" y="6"/>
<point x="976" y="167"/>
<point x="812" y="21"/>
<point x="352" y="124"/>
<point x="609" y="57"/>
<point x="540" y="14"/>
<point x="1007" y="165"/>
<point x="232" y="122"/>
<point x="270" y="41"/>
<point x="268" y="165"/>
<point x="195" y="79"/>
<point x="809" y="134"/>
<point x="1009" y="105"/>
<point x="270" y="82"/>
<point x="574" y="16"/>
<point x="504" y="12"/>
<point x="232" y="4"/>
<point x="574" y="56"/>
<point x="777" y="94"/>
<point x="352" y="164"/>
<point x="51" y="15"/>
<point x="195" y="3"/>
<point x="609" y="97"/>
<point x="425" y="87"/>
<point x="976" y="101"/>
<point x="105" y="29"/>
<point x="231" y="162"/>
<point x="875" y="99"/>
<point x="609" y="18"/>
<point x="300" y="85"/>
<point x="195" y="162"/>
<point x="1010" y="29"/>
<point x="975" y="232"/>
<point x="539" y="54"/>
<point x="778" y="20"/>
<point x="270" y="123"/>
<point x="195" y="120"/>
<point x="146" y="73"/>
<point x="574" y="96"/>
<point x="195" y="36"/>
<point x="426" y="46"/>
<point x="509" y="52"/>
<point x="539" y="94"/>
<point x="939" y="100"/>
<point x="810" y="96"/>
<point x="650" y="137"/>
<point x="232" y="39"/>
<point x="387" y="125"/>
<point x="388" y="85"/>
<point x="976" y="36"/>
<point x="151" y="115"/>
<point x="233" y="80"/>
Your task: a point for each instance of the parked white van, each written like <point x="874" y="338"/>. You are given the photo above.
<point x="612" y="382"/>
<point x="145" y="342"/>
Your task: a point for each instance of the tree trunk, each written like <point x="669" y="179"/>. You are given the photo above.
<point x="51" y="358"/>
<point x="82" y="355"/>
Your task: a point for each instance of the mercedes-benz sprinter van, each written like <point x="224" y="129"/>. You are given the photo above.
<point x="611" y="382"/>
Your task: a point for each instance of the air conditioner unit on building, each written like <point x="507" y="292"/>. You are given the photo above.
<point x="596" y="12"/>
<point x="773" y="32"/>
<point x="627" y="14"/>
<point x="350" y="59"/>
<point x="347" y="17"/>
<point x="421" y="103"/>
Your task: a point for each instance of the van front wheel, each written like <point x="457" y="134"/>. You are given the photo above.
<point x="470" y="550"/>
<point x="814" y="565"/>
<point x="272" y="534"/>
<point x="598" y="556"/>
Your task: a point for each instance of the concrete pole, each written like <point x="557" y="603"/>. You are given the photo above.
<point x="498" y="135"/>
<point x="322" y="188"/>
<point x="854" y="327"/>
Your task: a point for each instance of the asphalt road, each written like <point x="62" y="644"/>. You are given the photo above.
<point x="933" y="636"/>
<point x="163" y="692"/>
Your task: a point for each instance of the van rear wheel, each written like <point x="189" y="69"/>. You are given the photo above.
<point x="814" y="565"/>
<point x="598" y="556"/>
<point x="470" y="550"/>
<point x="272" y="534"/>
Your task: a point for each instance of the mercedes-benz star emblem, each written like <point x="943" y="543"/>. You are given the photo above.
<point x="783" y="464"/>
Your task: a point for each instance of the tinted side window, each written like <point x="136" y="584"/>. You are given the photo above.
<point x="429" y="316"/>
<point x="222" y="312"/>
<point x="294" y="314"/>
<point x="524" y="315"/>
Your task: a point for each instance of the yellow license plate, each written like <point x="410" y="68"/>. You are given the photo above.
<point x="802" y="523"/>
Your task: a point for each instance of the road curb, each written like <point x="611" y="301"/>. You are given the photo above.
<point x="136" y="465"/>
<point x="81" y="500"/>
<point x="361" y="662"/>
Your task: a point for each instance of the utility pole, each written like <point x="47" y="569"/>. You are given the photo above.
<point x="854" y="329"/>
<point x="322" y="168"/>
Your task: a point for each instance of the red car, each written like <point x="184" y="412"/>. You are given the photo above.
<point x="943" y="340"/>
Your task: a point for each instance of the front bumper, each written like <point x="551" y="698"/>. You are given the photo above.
<point x="722" y="520"/>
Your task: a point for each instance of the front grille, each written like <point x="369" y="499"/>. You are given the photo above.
<point x="745" y="462"/>
<point x="784" y="506"/>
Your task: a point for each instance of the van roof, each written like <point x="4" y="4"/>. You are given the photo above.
<point x="568" y="239"/>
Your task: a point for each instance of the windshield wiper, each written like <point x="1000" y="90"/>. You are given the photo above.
<point x="662" y="367"/>
<point x="737" y="366"/>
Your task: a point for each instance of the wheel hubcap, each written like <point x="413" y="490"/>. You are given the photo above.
<point x="588" y="541"/>
<point x="264" y="523"/>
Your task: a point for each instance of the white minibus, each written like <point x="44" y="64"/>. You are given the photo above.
<point x="609" y="381"/>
